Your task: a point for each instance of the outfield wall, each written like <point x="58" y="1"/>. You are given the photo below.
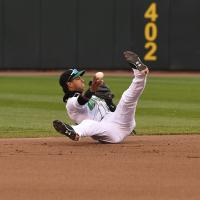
<point x="50" y="34"/>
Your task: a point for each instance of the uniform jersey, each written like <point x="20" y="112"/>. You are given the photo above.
<point x="94" y="109"/>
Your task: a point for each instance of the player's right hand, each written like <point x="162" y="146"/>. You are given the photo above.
<point x="95" y="84"/>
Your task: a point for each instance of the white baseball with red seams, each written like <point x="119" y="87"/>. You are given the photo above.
<point x="99" y="75"/>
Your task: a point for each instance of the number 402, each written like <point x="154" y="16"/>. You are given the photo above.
<point x="151" y="32"/>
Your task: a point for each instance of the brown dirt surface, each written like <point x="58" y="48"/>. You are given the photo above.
<point x="141" y="168"/>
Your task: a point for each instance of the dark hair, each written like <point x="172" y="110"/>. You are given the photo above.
<point x="68" y="76"/>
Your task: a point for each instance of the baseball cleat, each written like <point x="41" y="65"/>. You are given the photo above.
<point x="134" y="60"/>
<point x="65" y="129"/>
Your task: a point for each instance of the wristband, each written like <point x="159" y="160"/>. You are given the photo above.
<point x="83" y="99"/>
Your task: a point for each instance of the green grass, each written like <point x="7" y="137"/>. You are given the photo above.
<point x="29" y="104"/>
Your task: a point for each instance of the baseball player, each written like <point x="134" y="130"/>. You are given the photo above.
<point x="91" y="113"/>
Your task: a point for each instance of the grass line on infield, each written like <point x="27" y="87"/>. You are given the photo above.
<point x="169" y="105"/>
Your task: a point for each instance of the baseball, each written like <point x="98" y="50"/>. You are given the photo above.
<point x="99" y="75"/>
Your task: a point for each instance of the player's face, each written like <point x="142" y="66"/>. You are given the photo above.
<point x="76" y="84"/>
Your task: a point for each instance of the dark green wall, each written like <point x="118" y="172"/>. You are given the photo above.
<point x="52" y="34"/>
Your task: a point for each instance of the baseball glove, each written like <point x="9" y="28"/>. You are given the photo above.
<point x="105" y="93"/>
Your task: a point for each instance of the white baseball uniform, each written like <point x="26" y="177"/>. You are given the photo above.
<point x="95" y="120"/>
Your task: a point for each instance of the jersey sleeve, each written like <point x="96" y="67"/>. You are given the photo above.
<point x="76" y="111"/>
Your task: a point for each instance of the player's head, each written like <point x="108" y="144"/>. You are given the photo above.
<point x="71" y="80"/>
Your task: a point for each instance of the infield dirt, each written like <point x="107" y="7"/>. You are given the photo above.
<point x="142" y="168"/>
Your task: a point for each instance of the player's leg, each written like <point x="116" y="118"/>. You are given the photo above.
<point x="124" y="115"/>
<point x="100" y="131"/>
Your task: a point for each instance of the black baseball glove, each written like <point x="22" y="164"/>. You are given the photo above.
<point x="105" y="93"/>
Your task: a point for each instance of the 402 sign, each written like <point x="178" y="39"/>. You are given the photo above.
<point x="151" y="32"/>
